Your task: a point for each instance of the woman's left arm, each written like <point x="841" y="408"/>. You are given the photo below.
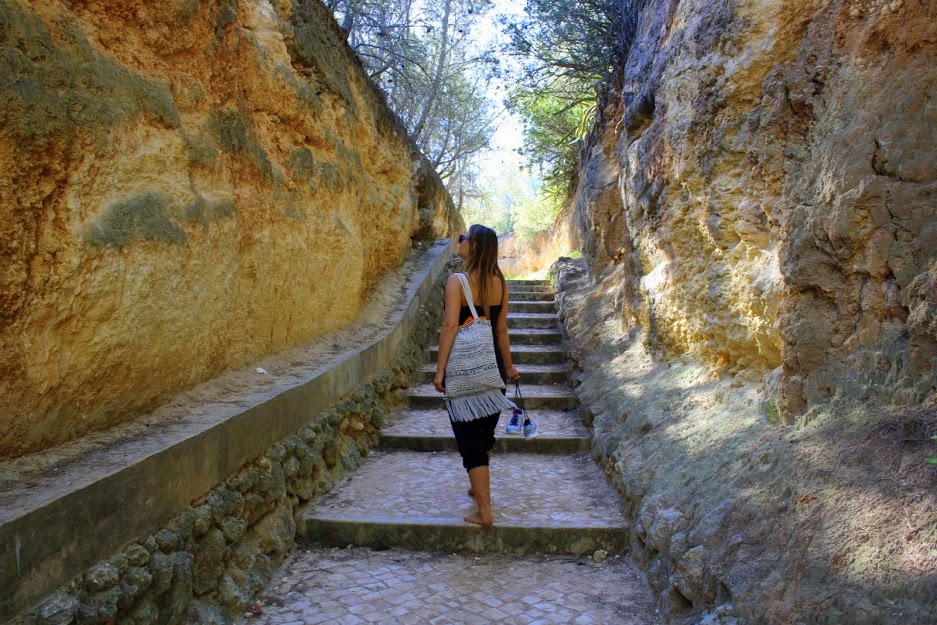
<point x="503" y="340"/>
<point x="450" y="326"/>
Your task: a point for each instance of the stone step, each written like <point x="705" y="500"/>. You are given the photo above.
<point x="529" y="283"/>
<point x="541" y="504"/>
<point x="532" y="291"/>
<point x="530" y="374"/>
<point x="531" y="307"/>
<point x="533" y="336"/>
<point x="536" y="397"/>
<point x="531" y="320"/>
<point x="524" y="354"/>
<point x="561" y="432"/>
<point x="532" y="296"/>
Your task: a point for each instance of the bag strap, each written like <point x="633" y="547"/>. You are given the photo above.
<point x="518" y="398"/>
<point x="468" y="293"/>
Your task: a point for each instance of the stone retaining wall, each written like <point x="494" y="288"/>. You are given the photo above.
<point x="210" y="562"/>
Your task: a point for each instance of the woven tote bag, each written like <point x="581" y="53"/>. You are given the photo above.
<point x="473" y="382"/>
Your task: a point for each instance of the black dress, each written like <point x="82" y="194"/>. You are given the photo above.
<point x="477" y="437"/>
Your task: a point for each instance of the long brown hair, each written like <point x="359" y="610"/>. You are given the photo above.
<point x="483" y="261"/>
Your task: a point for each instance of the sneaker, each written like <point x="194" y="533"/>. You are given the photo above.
<point x="514" y="425"/>
<point x="530" y="429"/>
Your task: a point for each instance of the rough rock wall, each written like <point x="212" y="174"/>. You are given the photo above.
<point x="520" y="258"/>
<point x="737" y="523"/>
<point x="765" y="185"/>
<point x="188" y="186"/>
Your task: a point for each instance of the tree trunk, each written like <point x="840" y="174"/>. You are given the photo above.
<point x="437" y="76"/>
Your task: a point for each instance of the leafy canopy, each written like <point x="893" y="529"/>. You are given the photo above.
<point x="565" y="48"/>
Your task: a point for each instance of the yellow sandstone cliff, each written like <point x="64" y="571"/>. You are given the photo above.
<point x="187" y="187"/>
<point x="760" y="192"/>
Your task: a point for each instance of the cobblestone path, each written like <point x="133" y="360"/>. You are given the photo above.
<point x="388" y="544"/>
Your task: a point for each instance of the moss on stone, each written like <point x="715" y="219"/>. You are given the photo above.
<point x="202" y="211"/>
<point x="293" y="206"/>
<point x="236" y="135"/>
<point x="317" y="47"/>
<point x="201" y="153"/>
<point x="52" y="91"/>
<point x="186" y="9"/>
<point x="223" y="16"/>
<point x="330" y="176"/>
<point x="143" y="216"/>
<point x="222" y="208"/>
<point x="194" y="211"/>
<point x="308" y="97"/>
<point x="302" y="165"/>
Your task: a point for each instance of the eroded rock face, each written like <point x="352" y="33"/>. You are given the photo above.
<point x="765" y="186"/>
<point x="188" y="186"/>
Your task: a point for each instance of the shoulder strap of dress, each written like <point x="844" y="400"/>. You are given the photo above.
<point x="468" y="293"/>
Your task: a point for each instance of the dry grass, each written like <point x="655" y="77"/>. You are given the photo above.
<point x="911" y="428"/>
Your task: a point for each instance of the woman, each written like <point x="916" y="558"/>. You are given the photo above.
<point x="476" y="438"/>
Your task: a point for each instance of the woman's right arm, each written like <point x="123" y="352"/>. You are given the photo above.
<point x="450" y="326"/>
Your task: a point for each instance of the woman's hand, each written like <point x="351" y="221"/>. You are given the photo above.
<point x="513" y="374"/>
<point x="440" y="381"/>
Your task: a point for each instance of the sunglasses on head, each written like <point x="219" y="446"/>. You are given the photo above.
<point x="462" y="237"/>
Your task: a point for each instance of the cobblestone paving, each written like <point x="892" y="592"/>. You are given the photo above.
<point x="525" y="489"/>
<point x="436" y="423"/>
<point x="359" y="586"/>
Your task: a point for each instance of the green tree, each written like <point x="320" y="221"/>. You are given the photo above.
<point x="436" y="80"/>
<point x="565" y="48"/>
<point x="535" y="215"/>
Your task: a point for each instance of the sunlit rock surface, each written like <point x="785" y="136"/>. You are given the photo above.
<point x="188" y="186"/>
<point x="763" y="189"/>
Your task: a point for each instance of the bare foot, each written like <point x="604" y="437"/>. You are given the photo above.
<point x="478" y="519"/>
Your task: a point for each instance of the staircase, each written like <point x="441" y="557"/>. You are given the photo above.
<point x="548" y="497"/>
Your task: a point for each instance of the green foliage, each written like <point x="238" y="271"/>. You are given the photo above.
<point x="535" y="216"/>
<point x="555" y="121"/>
<point x="566" y="48"/>
<point x="772" y="411"/>
<point x="436" y="80"/>
<point x="932" y="460"/>
<point x="488" y="211"/>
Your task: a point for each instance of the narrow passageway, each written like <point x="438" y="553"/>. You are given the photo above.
<point x="388" y="545"/>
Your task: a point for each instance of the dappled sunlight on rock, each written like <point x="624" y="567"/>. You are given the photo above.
<point x="730" y="510"/>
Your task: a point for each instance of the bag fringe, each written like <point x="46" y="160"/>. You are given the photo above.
<point x="477" y="406"/>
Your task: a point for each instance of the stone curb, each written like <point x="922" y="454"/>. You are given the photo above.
<point x="456" y="535"/>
